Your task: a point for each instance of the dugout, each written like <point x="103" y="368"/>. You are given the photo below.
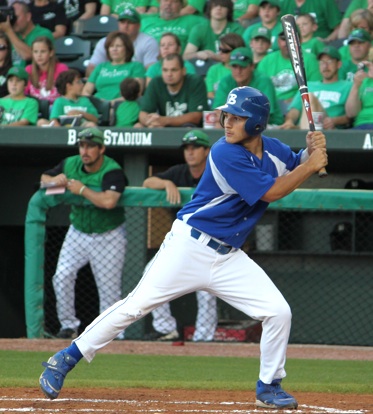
<point x="26" y="152"/>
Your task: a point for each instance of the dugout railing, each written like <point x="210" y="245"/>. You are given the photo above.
<point x="316" y="245"/>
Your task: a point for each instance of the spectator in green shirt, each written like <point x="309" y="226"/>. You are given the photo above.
<point x="69" y="85"/>
<point x="216" y="72"/>
<point x="174" y="99"/>
<point x="260" y="43"/>
<point x="277" y="65"/>
<point x="127" y="112"/>
<point x="359" y="43"/>
<point x="168" y="44"/>
<point x="104" y="80"/>
<point x="22" y="33"/>
<point x="359" y="19"/>
<point x="328" y="96"/>
<point x="325" y="12"/>
<point x="203" y="41"/>
<point x="243" y="74"/>
<point x="269" y="13"/>
<point x="359" y="104"/>
<point x="354" y="5"/>
<point x="307" y="27"/>
<point x="16" y="109"/>
<point x="170" y="20"/>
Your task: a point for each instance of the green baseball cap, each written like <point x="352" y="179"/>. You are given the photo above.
<point x="274" y="3"/>
<point x="242" y="56"/>
<point x="19" y="72"/>
<point x="196" y="137"/>
<point x="91" y="135"/>
<point x="130" y="14"/>
<point x="261" y="32"/>
<point x="360" y="35"/>
<point x="330" y="51"/>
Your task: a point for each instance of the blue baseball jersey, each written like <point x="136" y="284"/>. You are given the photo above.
<point x="227" y="202"/>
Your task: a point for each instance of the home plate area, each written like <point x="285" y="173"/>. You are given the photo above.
<point x="76" y="400"/>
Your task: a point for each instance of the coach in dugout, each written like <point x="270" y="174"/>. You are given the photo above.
<point x="97" y="233"/>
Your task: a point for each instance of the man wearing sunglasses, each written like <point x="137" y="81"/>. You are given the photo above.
<point x="243" y="74"/>
<point x="97" y="234"/>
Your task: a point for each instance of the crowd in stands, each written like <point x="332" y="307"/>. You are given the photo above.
<point x="149" y="72"/>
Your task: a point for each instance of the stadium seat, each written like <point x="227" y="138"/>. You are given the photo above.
<point x="96" y="27"/>
<point x="202" y="66"/>
<point x="43" y="107"/>
<point x="74" y="52"/>
<point x="103" y="108"/>
<point x="70" y="48"/>
<point x="79" y="64"/>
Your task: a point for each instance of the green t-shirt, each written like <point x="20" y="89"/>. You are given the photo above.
<point x="156" y="69"/>
<point x="192" y="97"/>
<point x="240" y="7"/>
<point x="258" y="81"/>
<point x="274" y="34"/>
<point x="313" y="45"/>
<point x="155" y="26"/>
<point x="332" y="97"/>
<point x="347" y="70"/>
<point x="127" y="114"/>
<point x="62" y="106"/>
<point x="203" y="37"/>
<point x="282" y="75"/>
<point x="365" y="115"/>
<point x="107" y="77"/>
<point x="326" y="13"/>
<point x="214" y="75"/>
<point x="91" y="219"/>
<point x="18" y="109"/>
<point x="37" y="31"/>
<point x="354" y="5"/>
<point x="116" y="6"/>
<point x="199" y="5"/>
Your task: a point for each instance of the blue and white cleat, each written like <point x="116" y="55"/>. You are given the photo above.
<point x="56" y="369"/>
<point x="273" y="396"/>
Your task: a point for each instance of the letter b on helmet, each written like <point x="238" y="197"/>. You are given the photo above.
<point x="250" y="103"/>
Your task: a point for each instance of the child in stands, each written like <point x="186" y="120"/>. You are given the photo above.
<point x="127" y="113"/>
<point x="69" y="85"/>
<point x="17" y="109"/>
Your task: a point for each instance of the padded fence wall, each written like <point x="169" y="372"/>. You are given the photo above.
<point x="316" y="245"/>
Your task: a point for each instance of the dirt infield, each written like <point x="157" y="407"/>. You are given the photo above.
<point x="179" y="401"/>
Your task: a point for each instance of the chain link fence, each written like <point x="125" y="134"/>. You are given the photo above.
<point x="321" y="260"/>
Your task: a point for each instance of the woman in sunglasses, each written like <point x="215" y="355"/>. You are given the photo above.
<point x="228" y="42"/>
<point x="5" y="63"/>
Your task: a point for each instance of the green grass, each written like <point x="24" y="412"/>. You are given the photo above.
<point x="22" y="369"/>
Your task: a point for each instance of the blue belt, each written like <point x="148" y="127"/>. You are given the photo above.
<point x="220" y="248"/>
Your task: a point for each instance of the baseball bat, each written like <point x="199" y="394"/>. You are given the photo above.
<point x="296" y="57"/>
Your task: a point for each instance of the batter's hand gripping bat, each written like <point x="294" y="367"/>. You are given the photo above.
<point x="296" y="58"/>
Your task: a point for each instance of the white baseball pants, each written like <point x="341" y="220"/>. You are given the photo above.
<point x="183" y="265"/>
<point x="105" y="252"/>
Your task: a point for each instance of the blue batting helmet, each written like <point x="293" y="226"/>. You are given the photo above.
<point x="248" y="102"/>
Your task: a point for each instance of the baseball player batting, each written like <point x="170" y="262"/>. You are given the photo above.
<point x="245" y="171"/>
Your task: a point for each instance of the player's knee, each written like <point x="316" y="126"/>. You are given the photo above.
<point x="284" y="312"/>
